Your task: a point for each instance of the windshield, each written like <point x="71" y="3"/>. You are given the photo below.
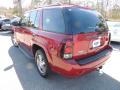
<point x="6" y="20"/>
<point x="79" y="20"/>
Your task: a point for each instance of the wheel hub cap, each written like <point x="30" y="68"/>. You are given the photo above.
<point x="41" y="64"/>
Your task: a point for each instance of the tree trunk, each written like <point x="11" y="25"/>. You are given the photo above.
<point x="69" y="1"/>
<point x="20" y="8"/>
<point x="49" y="2"/>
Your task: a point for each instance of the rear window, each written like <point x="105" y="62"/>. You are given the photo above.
<point x="6" y="20"/>
<point x="79" y="20"/>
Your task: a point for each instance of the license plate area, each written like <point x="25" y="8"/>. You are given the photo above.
<point x="96" y="43"/>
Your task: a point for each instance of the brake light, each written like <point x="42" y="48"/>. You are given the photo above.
<point x="68" y="50"/>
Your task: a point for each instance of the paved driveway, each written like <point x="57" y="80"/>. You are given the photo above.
<point x="19" y="73"/>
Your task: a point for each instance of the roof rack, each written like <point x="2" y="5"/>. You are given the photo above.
<point x="60" y="4"/>
<point x="56" y="4"/>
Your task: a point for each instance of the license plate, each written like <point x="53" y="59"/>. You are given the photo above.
<point x="96" y="43"/>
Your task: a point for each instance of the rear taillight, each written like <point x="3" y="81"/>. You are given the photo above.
<point x="68" y="50"/>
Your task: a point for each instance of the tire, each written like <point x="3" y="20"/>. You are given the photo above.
<point x="14" y="41"/>
<point x="42" y="63"/>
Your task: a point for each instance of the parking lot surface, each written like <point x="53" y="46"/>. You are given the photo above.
<point x="17" y="72"/>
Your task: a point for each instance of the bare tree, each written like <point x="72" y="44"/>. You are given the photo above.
<point x="49" y="1"/>
<point x="69" y="1"/>
<point x="37" y="3"/>
<point x="18" y="7"/>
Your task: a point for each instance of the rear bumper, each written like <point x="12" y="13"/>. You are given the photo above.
<point x="72" y="68"/>
<point x="95" y="57"/>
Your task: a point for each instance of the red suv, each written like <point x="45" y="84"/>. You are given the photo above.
<point x="67" y="39"/>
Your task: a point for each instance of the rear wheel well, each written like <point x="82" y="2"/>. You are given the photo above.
<point x="35" y="48"/>
<point x="39" y="50"/>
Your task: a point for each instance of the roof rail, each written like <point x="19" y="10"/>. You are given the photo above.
<point x="56" y="4"/>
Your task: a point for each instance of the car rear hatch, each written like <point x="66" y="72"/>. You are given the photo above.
<point x="89" y="44"/>
<point x="89" y="30"/>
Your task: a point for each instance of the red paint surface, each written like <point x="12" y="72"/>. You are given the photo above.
<point x="52" y="44"/>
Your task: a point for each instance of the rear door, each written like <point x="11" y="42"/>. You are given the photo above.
<point x="28" y="34"/>
<point x="23" y="29"/>
<point x="89" y="31"/>
<point x="33" y="29"/>
<point x="20" y="30"/>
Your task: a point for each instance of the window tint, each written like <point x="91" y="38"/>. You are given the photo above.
<point x="38" y="20"/>
<point x="25" y="19"/>
<point x="32" y="18"/>
<point x="53" y="20"/>
<point x="6" y="21"/>
<point x="82" y="21"/>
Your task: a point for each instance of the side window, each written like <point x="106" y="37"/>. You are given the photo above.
<point x="25" y="19"/>
<point x="32" y="18"/>
<point x="38" y="20"/>
<point x="53" y="20"/>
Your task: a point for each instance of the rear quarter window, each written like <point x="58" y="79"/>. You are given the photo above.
<point x="53" y="20"/>
<point x="38" y="20"/>
<point x="32" y="18"/>
<point x="25" y="19"/>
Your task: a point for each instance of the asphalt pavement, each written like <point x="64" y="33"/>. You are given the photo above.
<point x="17" y="72"/>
